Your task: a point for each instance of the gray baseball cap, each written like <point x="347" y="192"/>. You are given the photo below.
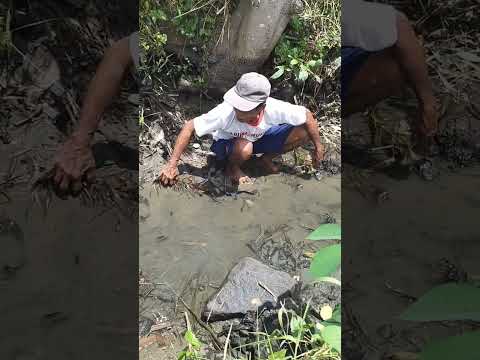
<point x="250" y="91"/>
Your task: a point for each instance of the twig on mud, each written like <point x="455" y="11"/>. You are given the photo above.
<point x="400" y="292"/>
<point x="227" y="342"/>
<point x="216" y="342"/>
<point x="189" y="328"/>
<point x="308" y="228"/>
<point x="355" y="324"/>
<point x="5" y="195"/>
<point x="35" y="24"/>
<point x="214" y="305"/>
<point x="215" y="339"/>
<point x="264" y="287"/>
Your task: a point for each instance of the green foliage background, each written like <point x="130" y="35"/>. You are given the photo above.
<point x="311" y="41"/>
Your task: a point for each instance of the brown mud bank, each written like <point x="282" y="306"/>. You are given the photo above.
<point x="78" y="302"/>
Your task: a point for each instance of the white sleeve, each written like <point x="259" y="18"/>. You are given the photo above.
<point x="283" y="112"/>
<point x="369" y="26"/>
<point x="213" y="120"/>
<point x="134" y="48"/>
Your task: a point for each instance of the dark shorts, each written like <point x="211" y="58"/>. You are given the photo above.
<point x="353" y="59"/>
<point x="271" y="142"/>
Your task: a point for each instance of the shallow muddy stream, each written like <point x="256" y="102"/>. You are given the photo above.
<point x="184" y="236"/>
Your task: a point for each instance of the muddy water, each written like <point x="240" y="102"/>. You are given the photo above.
<point x="398" y="243"/>
<point x="71" y="292"/>
<point x="184" y="236"/>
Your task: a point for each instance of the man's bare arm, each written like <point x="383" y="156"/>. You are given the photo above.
<point x="75" y="159"/>
<point x="170" y="172"/>
<point x="104" y="87"/>
<point x="311" y="126"/>
<point x="312" y="129"/>
<point x="411" y="57"/>
<point x="182" y="142"/>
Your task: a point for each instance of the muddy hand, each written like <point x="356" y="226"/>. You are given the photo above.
<point x="169" y="175"/>
<point x="74" y="163"/>
<point x="317" y="156"/>
<point x="429" y="120"/>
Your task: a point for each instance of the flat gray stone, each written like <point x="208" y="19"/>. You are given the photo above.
<point x="248" y="286"/>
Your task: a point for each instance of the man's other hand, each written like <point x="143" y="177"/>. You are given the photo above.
<point x="74" y="162"/>
<point x="317" y="156"/>
<point x="169" y="175"/>
<point x="429" y="120"/>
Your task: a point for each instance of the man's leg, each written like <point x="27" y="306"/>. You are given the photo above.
<point x="241" y="152"/>
<point x="380" y="77"/>
<point x="298" y="136"/>
<point x="389" y="71"/>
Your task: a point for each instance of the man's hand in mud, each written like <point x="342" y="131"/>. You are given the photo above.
<point x="428" y="125"/>
<point x="74" y="163"/>
<point x="317" y="156"/>
<point x="169" y="175"/>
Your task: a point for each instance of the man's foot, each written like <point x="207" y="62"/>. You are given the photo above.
<point x="267" y="163"/>
<point x="237" y="175"/>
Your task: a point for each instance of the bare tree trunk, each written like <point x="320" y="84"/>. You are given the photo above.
<point x="255" y="28"/>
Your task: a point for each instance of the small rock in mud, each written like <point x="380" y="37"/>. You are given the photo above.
<point x="320" y="294"/>
<point x="42" y="68"/>
<point x="144" y="326"/>
<point x="426" y="170"/>
<point x="248" y="286"/>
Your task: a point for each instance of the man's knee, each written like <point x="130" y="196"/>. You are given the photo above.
<point x="298" y="136"/>
<point x="243" y="148"/>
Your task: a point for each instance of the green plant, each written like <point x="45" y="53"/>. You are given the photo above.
<point x="298" y="337"/>
<point x="311" y="40"/>
<point x="151" y="40"/>
<point x="325" y="261"/>
<point x="192" y="351"/>
<point x="448" y="302"/>
<point x="194" y="20"/>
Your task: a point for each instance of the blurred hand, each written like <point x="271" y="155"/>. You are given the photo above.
<point x="317" y="156"/>
<point x="169" y="175"/>
<point x="429" y="120"/>
<point x="74" y="162"/>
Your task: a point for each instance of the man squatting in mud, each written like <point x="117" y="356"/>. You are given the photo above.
<point x="379" y="58"/>
<point x="249" y="122"/>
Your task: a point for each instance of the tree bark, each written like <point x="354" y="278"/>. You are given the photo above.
<point x="253" y="32"/>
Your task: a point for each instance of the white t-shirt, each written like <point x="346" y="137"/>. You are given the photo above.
<point x="370" y="26"/>
<point x="221" y="121"/>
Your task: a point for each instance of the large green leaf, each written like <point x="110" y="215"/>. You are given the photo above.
<point x="326" y="232"/>
<point x="332" y="335"/>
<point x="337" y="314"/>
<point x="303" y="74"/>
<point x="461" y="347"/>
<point x="278" y="73"/>
<point x="326" y="261"/>
<point x="446" y="302"/>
